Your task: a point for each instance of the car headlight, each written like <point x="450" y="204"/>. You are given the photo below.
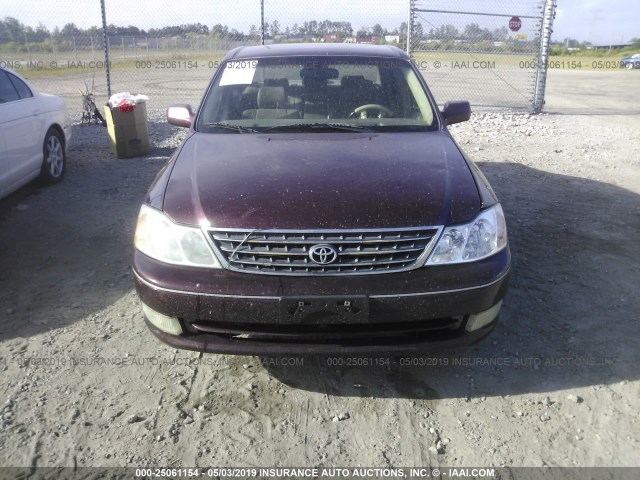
<point x="483" y="237"/>
<point x="158" y="237"/>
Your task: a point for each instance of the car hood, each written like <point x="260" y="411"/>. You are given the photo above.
<point x="321" y="181"/>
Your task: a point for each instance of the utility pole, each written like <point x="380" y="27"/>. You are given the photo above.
<point x="543" y="57"/>
<point x="107" y="62"/>
<point x="410" y="27"/>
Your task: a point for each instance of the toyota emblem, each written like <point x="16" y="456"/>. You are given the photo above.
<point x="323" y="254"/>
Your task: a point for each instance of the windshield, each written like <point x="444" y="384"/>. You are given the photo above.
<point x="316" y="94"/>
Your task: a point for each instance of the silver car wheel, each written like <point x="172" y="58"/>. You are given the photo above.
<point x="55" y="156"/>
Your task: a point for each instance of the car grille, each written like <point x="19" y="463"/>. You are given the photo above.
<point x="358" y="251"/>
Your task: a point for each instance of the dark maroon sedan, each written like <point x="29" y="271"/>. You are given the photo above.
<point x="319" y="205"/>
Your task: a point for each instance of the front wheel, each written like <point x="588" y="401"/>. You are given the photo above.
<point x="53" y="164"/>
<point x="628" y="65"/>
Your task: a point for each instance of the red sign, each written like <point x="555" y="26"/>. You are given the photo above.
<point x="515" y="23"/>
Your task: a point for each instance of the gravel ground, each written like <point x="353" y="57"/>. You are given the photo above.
<point x="83" y="383"/>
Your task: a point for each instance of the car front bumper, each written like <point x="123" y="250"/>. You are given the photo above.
<point x="420" y="310"/>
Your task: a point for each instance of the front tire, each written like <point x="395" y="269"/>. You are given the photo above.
<point x="628" y="65"/>
<point x="54" y="162"/>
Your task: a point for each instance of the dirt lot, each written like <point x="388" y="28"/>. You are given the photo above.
<point x="83" y="383"/>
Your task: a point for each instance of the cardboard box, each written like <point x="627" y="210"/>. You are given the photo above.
<point x="128" y="131"/>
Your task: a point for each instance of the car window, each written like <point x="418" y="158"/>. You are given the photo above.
<point x="8" y="92"/>
<point x="377" y="93"/>
<point x="23" y="90"/>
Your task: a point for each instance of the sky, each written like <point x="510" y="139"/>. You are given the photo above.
<point x="597" y="21"/>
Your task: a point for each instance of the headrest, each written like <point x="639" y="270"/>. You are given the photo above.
<point x="251" y="90"/>
<point x="271" y="97"/>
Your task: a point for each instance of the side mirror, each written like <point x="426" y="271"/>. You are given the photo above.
<point x="180" y="115"/>
<point x="456" y="111"/>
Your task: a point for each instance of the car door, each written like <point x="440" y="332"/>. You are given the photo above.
<point x="20" y="122"/>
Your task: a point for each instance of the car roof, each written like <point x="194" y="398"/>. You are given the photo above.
<point x="13" y="72"/>
<point x="312" y="49"/>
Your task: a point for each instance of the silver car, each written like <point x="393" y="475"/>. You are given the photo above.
<point x="35" y="131"/>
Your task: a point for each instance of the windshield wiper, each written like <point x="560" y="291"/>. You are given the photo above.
<point x="229" y="126"/>
<point x="319" y="126"/>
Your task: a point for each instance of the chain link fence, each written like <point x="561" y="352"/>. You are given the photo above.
<point x="171" y="55"/>
<point x="486" y="52"/>
<point x="57" y="48"/>
<point x="332" y="21"/>
<point x="465" y="48"/>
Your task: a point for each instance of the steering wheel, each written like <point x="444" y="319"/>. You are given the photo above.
<point x="381" y="109"/>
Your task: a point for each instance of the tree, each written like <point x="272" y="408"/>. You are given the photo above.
<point x="444" y="32"/>
<point x="500" y="34"/>
<point x="5" y="36"/>
<point x="472" y="32"/>
<point x="197" y="28"/>
<point x="571" y="43"/>
<point x="486" y="34"/>
<point x="13" y="29"/>
<point x="40" y="34"/>
<point x="70" y="30"/>
<point x="275" y="28"/>
<point x="93" y="31"/>
<point x="42" y="30"/>
<point x="219" y="30"/>
<point x="378" y="31"/>
<point x="417" y="32"/>
<point x="309" y="28"/>
<point x="254" y="33"/>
